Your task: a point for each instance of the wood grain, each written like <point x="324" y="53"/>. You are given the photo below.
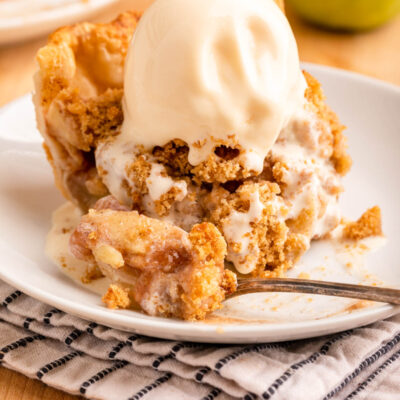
<point x="14" y="386"/>
<point x="375" y="53"/>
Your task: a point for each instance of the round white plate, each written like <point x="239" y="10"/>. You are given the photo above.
<point x="38" y="22"/>
<point x="368" y="107"/>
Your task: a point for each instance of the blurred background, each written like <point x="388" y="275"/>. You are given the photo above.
<point x="357" y="35"/>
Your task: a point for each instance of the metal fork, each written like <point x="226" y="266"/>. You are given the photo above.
<point x="374" y="293"/>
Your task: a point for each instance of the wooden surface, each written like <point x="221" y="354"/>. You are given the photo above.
<point x="374" y="53"/>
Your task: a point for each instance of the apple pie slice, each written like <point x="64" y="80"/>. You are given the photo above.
<point x="166" y="230"/>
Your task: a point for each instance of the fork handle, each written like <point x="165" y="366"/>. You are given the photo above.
<point x="374" y="293"/>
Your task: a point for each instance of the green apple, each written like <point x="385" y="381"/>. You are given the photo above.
<point x="347" y="14"/>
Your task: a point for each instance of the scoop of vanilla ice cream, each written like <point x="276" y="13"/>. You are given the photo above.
<point x="207" y="71"/>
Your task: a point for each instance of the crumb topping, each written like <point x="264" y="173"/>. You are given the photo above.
<point x="116" y="297"/>
<point x="369" y="224"/>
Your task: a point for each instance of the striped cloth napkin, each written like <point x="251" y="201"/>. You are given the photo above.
<point x="82" y="357"/>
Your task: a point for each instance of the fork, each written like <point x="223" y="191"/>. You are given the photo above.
<point x="374" y="293"/>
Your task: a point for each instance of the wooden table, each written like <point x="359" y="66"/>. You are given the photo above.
<point x="374" y="53"/>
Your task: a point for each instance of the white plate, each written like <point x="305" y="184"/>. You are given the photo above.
<point x="368" y="107"/>
<point x="39" y="22"/>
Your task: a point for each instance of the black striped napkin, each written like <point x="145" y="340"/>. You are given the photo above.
<point x="81" y="357"/>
